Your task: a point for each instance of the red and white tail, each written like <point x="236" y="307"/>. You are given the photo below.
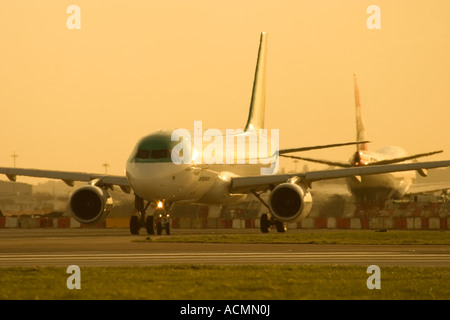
<point x="360" y="129"/>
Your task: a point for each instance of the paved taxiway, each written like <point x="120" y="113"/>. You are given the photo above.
<point x="115" y="247"/>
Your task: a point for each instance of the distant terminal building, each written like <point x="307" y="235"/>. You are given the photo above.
<point x="16" y="198"/>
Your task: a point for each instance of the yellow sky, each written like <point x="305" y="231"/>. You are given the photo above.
<point x="73" y="99"/>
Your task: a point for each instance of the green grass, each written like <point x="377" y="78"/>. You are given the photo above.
<point x="243" y="282"/>
<point x="364" y="237"/>
<point x="201" y="282"/>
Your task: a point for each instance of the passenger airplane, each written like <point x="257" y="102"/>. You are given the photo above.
<point x="156" y="179"/>
<point x="380" y="187"/>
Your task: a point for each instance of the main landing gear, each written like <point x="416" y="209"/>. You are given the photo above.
<point x="266" y="223"/>
<point x="267" y="220"/>
<point x="160" y="218"/>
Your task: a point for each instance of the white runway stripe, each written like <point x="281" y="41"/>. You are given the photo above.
<point x="222" y="258"/>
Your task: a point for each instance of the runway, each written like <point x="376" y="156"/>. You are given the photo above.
<point x="226" y="258"/>
<point x="100" y="247"/>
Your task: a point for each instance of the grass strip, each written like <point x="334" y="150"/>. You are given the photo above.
<point x="364" y="237"/>
<point x="205" y="282"/>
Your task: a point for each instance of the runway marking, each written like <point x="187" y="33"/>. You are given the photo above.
<point x="223" y="258"/>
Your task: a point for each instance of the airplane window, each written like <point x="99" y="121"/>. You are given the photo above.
<point x="159" y="154"/>
<point x="142" y="154"/>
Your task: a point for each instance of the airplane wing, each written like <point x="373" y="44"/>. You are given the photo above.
<point x="260" y="183"/>
<point x="420" y="188"/>
<point x="69" y="177"/>
<point x="243" y="184"/>
<point x="412" y="157"/>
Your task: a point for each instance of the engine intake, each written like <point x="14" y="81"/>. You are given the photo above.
<point x="90" y="204"/>
<point x="289" y="202"/>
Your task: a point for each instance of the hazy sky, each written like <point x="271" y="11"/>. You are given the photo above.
<point x="73" y="99"/>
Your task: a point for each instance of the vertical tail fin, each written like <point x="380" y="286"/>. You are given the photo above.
<point x="258" y="102"/>
<point x="360" y="129"/>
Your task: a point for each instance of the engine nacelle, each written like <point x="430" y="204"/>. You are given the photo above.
<point x="90" y="204"/>
<point x="289" y="202"/>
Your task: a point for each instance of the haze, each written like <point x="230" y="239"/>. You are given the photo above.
<point x="75" y="99"/>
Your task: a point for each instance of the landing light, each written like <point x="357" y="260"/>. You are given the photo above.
<point x="195" y="155"/>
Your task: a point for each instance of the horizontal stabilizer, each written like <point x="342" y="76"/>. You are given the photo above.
<point x="284" y="151"/>
<point x="374" y="163"/>
<point x="329" y="163"/>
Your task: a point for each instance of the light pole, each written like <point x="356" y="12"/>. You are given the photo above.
<point x="14" y="156"/>
<point x="106" y="165"/>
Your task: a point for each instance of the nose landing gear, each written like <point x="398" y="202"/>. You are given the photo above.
<point x="162" y="221"/>
<point x="160" y="218"/>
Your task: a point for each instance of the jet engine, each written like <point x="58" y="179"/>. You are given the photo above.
<point x="90" y="204"/>
<point x="289" y="202"/>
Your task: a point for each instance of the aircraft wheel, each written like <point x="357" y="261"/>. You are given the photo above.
<point x="280" y="226"/>
<point x="134" y="225"/>
<point x="264" y="223"/>
<point x="149" y="225"/>
<point x="159" y="228"/>
<point x="167" y="228"/>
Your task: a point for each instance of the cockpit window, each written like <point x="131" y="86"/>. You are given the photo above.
<point x="160" y="154"/>
<point x="143" y="154"/>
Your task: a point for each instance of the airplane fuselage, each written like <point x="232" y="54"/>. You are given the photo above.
<point x="155" y="175"/>
<point x="380" y="187"/>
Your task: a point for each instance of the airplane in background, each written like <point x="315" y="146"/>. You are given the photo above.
<point x="159" y="181"/>
<point x="381" y="187"/>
